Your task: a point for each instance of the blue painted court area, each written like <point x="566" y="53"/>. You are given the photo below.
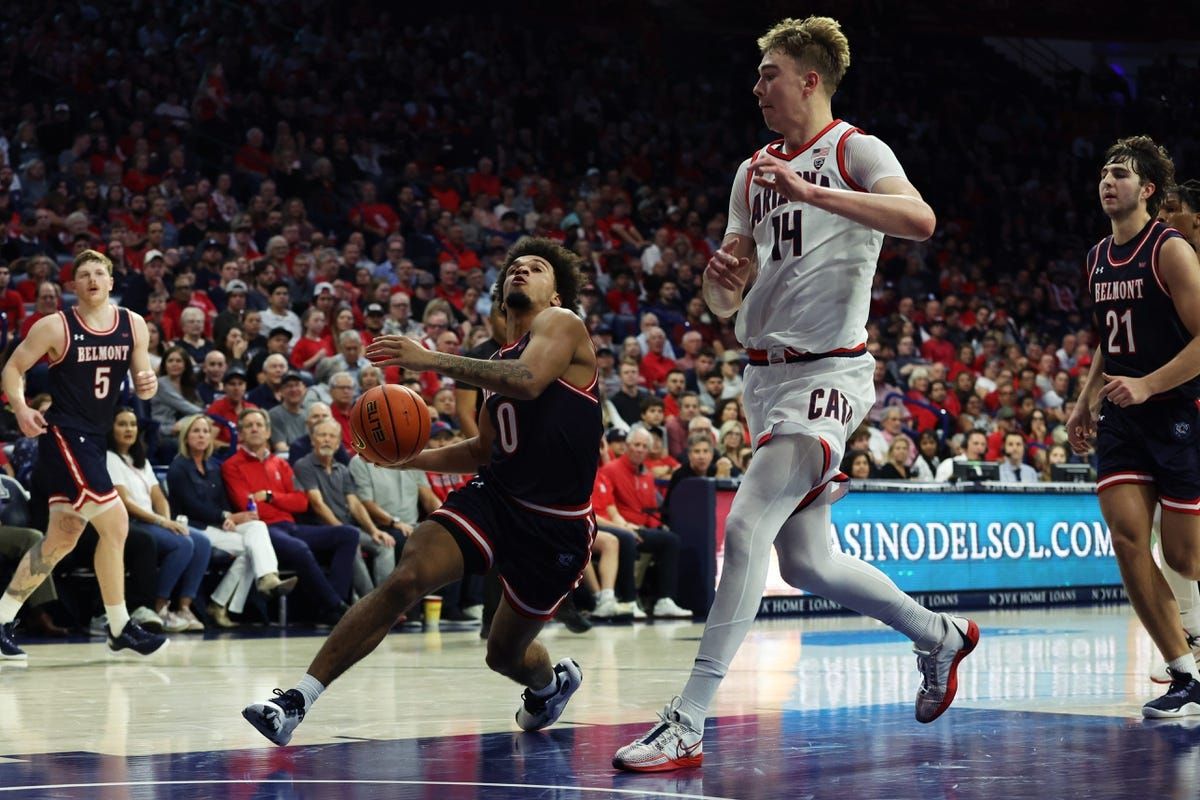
<point x="839" y="754"/>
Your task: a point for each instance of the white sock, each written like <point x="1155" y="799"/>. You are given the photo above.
<point x="1186" y="664"/>
<point x="605" y="595"/>
<point x="548" y="689"/>
<point x="118" y="617"/>
<point x="9" y="606"/>
<point x="311" y="688"/>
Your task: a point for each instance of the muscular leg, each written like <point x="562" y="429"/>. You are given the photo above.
<point x="37" y="563"/>
<point x="1129" y="511"/>
<point x="513" y="650"/>
<point x="112" y="525"/>
<point x="431" y="560"/>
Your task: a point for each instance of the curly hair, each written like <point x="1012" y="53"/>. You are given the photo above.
<point x="815" y="42"/>
<point x="1150" y="161"/>
<point x="564" y="263"/>
<point x="1189" y="194"/>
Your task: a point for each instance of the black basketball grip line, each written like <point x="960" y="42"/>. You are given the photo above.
<point x="422" y="434"/>
<point x="391" y="423"/>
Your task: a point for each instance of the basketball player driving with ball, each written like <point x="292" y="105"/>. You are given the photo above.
<point x="527" y="510"/>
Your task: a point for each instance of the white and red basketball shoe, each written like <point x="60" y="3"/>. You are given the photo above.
<point x="671" y="744"/>
<point x="939" y="667"/>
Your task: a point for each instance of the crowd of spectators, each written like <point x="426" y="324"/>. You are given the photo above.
<point x="278" y="183"/>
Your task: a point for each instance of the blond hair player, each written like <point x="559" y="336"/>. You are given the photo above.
<point x="807" y="217"/>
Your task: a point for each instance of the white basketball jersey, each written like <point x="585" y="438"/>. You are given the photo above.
<point x="813" y="288"/>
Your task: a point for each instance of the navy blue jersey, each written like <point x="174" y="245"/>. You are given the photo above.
<point x="546" y="450"/>
<point x="1140" y="330"/>
<point x="85" y="381"/>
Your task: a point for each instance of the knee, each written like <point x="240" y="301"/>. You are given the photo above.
<point x="1186" y="564"/>
<point x="405" y="585"/>
<point x="202" y="544"/>
<point x="1126" y="543"/>
<point x="347" y="534"/>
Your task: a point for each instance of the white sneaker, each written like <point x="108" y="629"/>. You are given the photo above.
<point x="536" y="713"/>
<point x="173" y="623"/>
<point x="632" y="608"/>
<point x="665" y="608"/>
<point x="606" y="609"/>
<point x="99" y="625"/>
<point x="1159" y="673"/>
<point x="939" y="667"/>
<point x="146" y="618"/>
<point x="278" y="717"/>
<point x="474" y="612"/>
<point x="671" y="744"/>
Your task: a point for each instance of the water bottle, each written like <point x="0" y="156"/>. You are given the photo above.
<point x="251" y="506"/>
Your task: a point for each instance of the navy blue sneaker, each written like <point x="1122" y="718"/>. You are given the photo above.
<point x="8" y="644"/>
<point x="1181" y="700"/>
<point x="136" y="638"/>
<point x="278" y="717"/>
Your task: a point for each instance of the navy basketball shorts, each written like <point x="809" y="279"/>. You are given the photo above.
<point x="1157" y="442"/>
<point x="540" y="554"/>
<point x="72" y="472"/>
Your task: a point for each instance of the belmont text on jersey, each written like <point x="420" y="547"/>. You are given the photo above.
<point x="112" y="352"/>
<point x="1119" y="290"/>
<point x="546" y="450"/>
<point x="85" y="381"/>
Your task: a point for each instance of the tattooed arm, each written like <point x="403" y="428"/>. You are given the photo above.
<point x="554" y="342"/>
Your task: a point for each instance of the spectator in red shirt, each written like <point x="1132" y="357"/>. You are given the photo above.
<point x="622" y="298"/>
<point x="635" y="503"/>
<point x="254" y="472"/>
<point x="446" y="195"/>
<point x="375" y="219"/>
<point x="484" y="180"/>
<point x="252" y="158"/>
<point x="341" y="392"/>
<point x="230" y="406"/>
<point x="937" y="347"/>
<point x="11" y="302"/>
<point x="655" y="365"/>
<point x="455" y="248"/>
<point x="46" y="304"/>
<point x="449" y="288"/>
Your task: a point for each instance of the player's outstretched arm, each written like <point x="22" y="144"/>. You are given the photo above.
<point x="1180" y="271"/>
<point x="730" y="270"/>
<point x="46" y="337"/>
<point x="553" y="342"/>
<point x="145" y="382"/>
<point x="460" y="458"/>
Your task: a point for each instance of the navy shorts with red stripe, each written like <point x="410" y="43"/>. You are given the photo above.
<point x="540" y="554"/>
<point x="72" y="468"/>
<point x="1156" y="442"/>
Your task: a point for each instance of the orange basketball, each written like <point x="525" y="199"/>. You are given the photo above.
<point x="389" y="425"/>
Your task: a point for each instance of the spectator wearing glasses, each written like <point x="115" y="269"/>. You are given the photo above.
<point x="390" y="268"/>
<point x="342" y="390"/>
<point x="399" y="321"/>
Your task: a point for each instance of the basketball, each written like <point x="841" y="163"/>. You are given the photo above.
<point x="389" y="425"/>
